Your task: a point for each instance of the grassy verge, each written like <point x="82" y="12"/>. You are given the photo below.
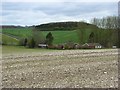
<point x="21" y="49"/>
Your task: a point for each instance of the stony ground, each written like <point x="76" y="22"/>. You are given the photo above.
<point x="61" y="69"/>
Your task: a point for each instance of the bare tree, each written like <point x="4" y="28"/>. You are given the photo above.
<point x="109" y="22"/>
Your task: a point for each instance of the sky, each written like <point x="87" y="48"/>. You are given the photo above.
<point x="35" y="12"/>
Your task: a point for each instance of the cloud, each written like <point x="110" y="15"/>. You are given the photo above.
<point x="32" y="13"/>
<point x="60" y="1"/>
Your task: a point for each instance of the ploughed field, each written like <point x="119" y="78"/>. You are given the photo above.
<point x="61" y="69"/>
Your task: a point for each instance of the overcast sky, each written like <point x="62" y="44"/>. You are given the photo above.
<point x="32" y="12"/>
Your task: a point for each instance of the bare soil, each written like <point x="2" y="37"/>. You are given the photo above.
<point x="61" y="69"/>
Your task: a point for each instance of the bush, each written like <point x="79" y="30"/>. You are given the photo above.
<point x="69" y="45"/>
<point x="52" y="46"/>
<point x="66" y="46"/>
<point x="60" y="46"/>
<point x="21" y="42"/>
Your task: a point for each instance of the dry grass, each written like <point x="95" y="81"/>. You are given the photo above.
<point x="62" y="68"/>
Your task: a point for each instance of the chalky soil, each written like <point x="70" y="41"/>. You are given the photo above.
<point x="61" y="69"/>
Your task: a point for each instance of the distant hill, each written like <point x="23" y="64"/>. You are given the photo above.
<point x="62" y="26"/>
<point x="56" y="26"/>
<point x="10" y="26"/>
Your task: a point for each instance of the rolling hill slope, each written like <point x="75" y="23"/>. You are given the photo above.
<point x="77" y="32"/>
<point x="8" y="40"/>
<point x="59" y="36"/>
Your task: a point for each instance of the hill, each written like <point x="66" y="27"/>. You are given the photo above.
<point x="59" y="36"/>
<point x="10" y="26"/>
<point x="62" y="26"/>
<point x="8" y="40"/>
<point x="18" y="32"/>
<point x="77" y="32"/>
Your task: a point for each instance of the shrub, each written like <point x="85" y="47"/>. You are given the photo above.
<point x="21" y="42"/>
<point x="52" y="46"/>
<point x="60" y="46"/>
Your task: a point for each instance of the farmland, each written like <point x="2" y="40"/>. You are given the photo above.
<point x="8" y="40"/>
<point x="59" y="44"/>
<point x="18" y="32"/>
<point x="48" y="68"/>
<point x="83" y="33"/>
<point x="59" y="36"/>
<point x="41" y="68"/>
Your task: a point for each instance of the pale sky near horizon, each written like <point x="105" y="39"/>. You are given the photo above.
<point x="34" y="12"/>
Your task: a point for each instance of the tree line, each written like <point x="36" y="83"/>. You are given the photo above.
<point x="59" y="26"/>
<point x="109" y="22"/>
<point x="36" y="39"/>
<point x="92" y="34"/>
<point x="106" y="34"/>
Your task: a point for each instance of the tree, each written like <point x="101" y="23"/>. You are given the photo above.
<point x="109" y="22"/>
<point x="49" y="38"/>
<point x="37" y="36"/>
<point x="25" y="42"/>
<point x="31" y="43"/>
<point x="91" y="38"/>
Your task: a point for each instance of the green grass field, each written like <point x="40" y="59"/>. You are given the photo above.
<point x="8" y="40"/>
<point x="20" y="49"/>
<point x="81" y="35"/>
<point x="59" y="36"/>
<point x="63" y="36"/>
<point x="18" y="32"/>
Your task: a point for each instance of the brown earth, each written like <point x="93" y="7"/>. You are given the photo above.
<point x="61" y="69"/>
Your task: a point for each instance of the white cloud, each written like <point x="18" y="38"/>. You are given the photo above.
<point x="60" y="1"/>
<point x="38" y="13"/>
